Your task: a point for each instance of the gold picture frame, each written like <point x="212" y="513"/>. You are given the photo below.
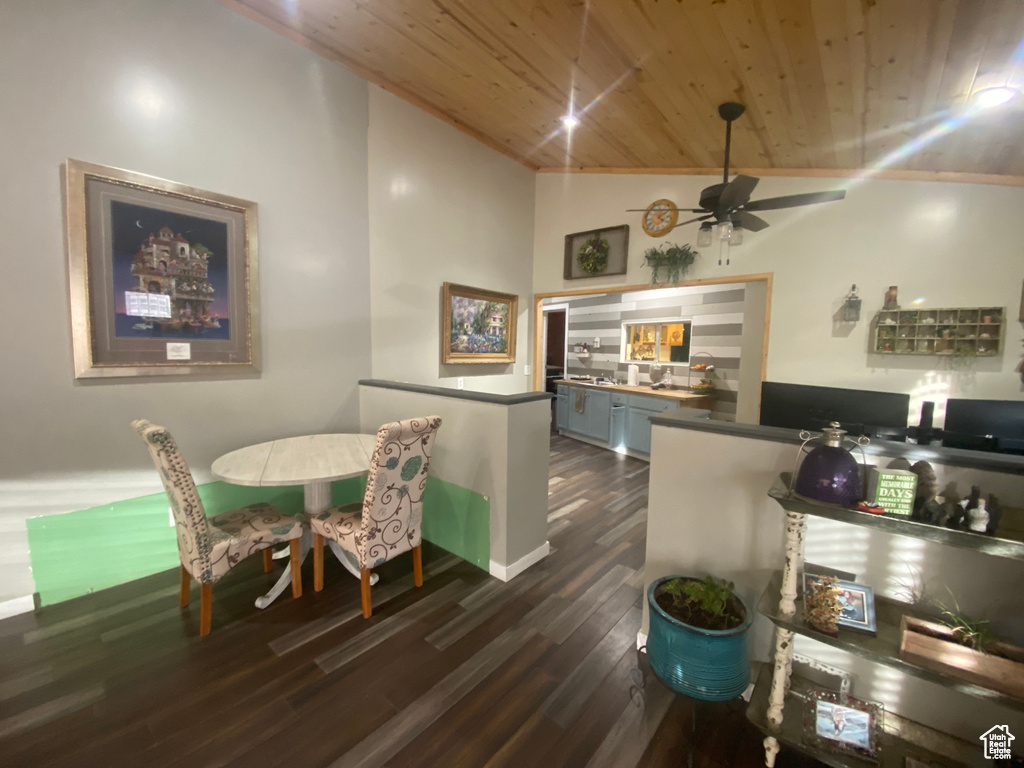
<point x="477" y="326"/>
<point x="163" y="277"/>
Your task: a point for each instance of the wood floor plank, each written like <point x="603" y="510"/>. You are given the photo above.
<point x="392" y="625"/>
<point x="629" y="738"/>
<point x="565" y="703"/>
<point x="630" y="523"/>
<point x="52" y="710"/>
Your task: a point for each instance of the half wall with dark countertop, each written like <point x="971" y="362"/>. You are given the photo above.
<point x="492" y="447"/>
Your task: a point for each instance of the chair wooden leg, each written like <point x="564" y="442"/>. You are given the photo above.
<point x="293" y="547"/>
<point x="417" y="565"/>
<point x="268" y="560"/>
<point x="186" y="585"/>
<point x="364" y="590"/>
<point x="318" y="562"/>
<point x="205" y="609"/>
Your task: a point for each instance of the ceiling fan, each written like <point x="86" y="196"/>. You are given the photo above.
<point x="728" y="203"/>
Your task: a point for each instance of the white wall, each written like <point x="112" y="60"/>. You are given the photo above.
<point x="443" y="208"/>
<point x="193" y="92"/>
<point x="948" y="244"/>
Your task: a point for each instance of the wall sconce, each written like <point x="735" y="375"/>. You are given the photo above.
<point x="851" y="307"/>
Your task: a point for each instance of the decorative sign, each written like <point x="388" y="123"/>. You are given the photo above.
<point x="147" y="304"/>
<point x="179" y="350"/>
<point x="894" y="489"/>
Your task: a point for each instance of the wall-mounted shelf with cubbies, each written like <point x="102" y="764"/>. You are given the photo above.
<point x="953" y="331"/>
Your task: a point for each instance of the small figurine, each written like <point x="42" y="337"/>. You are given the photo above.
<point x="927" y="488"/>
<point x="822" y="606"/>
<point x="995" y="514"/>
<point x="961" y="513"/>
<point x="890" y="299"/>
<point x="977" y="518"/>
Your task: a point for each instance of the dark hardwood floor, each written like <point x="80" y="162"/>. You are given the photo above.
<point x="466" y="671"/>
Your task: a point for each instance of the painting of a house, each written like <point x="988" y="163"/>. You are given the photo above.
<point x="479" y="326"/>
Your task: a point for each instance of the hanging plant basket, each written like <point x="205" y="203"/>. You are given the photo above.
<point x="669" y="262"/>
<point x="593" y="255"/>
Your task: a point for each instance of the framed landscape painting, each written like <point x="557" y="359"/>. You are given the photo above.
<point x="163" y="276"/>
<point x="477" y="326"/>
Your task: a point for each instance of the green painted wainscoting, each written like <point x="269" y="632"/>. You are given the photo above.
<point x="80" y="552"/>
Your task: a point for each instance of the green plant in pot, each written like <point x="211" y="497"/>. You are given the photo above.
<point x="697" y="639"/>
<point x="669" y="261"/>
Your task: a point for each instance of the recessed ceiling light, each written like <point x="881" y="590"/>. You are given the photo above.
<point x="993" y="97"/>
<point x="570" y="121"/>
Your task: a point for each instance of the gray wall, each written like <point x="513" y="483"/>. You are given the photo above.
<point x="192" y="92"/>
<point x="720" y="314"/>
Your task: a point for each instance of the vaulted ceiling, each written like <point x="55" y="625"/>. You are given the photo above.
<point x="828" y="84"/>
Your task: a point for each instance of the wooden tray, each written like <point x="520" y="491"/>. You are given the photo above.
<point x="922" y="643"/>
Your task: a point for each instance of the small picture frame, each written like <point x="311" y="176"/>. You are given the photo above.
<point x="840" y="723"/>
<point x="596" y="253"/>
<point x="857" y="600"/>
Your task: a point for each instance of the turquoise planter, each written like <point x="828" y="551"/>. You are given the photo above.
<point x="706" y="664"/>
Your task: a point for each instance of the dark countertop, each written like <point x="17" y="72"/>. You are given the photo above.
<point x="459" y="394"/>
<point x="993" y="462"/>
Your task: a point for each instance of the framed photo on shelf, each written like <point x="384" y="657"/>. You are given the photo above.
<point x="477" y="326"/>
<point x="596" y="253"/>
<point x="840" y="723"/>
<point x="163" y="276"/>
<point x="857" y="601"/>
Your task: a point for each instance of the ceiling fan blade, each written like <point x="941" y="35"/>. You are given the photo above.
<point x="681" y="210"/>
<point x="699" y="218"/>
<point x="749" y="221"/>
<point x="793" y="201"/>
<point x="737" y="191"/>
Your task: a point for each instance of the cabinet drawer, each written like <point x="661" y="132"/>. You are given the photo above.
<point x="619" y="398"/>
<point x="657" y="404"/>
<point x="563" y="389"/>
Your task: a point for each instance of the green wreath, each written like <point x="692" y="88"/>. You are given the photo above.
<point x="593" y="255"/>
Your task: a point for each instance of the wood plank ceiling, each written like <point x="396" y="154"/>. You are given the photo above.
<point x="828" y="84"/>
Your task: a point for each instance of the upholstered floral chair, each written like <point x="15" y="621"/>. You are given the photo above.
<point x="210" y="547"/>
<point x="388" y="521"/>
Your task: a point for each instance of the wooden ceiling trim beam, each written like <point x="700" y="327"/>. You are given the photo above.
<point x="809" y="173"/>
<point x="375" y="78"/>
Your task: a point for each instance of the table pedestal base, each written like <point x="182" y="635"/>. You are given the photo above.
<point x="316" y="498"/>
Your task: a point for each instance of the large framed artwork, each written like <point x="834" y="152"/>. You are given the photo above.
<point x="477" y="326"/>
<point x="163" y="276"/>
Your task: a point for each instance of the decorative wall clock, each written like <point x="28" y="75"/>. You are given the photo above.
<point x="660" y="218"/>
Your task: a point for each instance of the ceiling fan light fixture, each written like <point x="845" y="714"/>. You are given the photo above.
<point x="736" y="237"/>
<point x="724" y="230"/>
<point x="704" y="235"/>
<point x="993" y="97"/>
<point x="570" y="121"/>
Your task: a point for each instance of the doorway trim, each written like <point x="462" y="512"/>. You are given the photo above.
<point x="538" y="312"/>
<point x="563" y="307"/>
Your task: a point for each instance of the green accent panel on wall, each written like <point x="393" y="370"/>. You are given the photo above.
<point x="459" y="520"/>
<point x="80" y="552"/>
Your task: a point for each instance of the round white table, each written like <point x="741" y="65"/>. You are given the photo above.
<point x="312" y="461"/>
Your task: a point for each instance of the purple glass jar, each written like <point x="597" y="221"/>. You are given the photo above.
<point x="830" y="473"/>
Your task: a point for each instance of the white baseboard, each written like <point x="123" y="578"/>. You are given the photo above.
<point x="17" y="605"/>
<point x="641" y="641"/>
<point x="509" y="572"/>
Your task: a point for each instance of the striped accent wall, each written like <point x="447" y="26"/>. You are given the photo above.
<point x="715" y="310"/>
